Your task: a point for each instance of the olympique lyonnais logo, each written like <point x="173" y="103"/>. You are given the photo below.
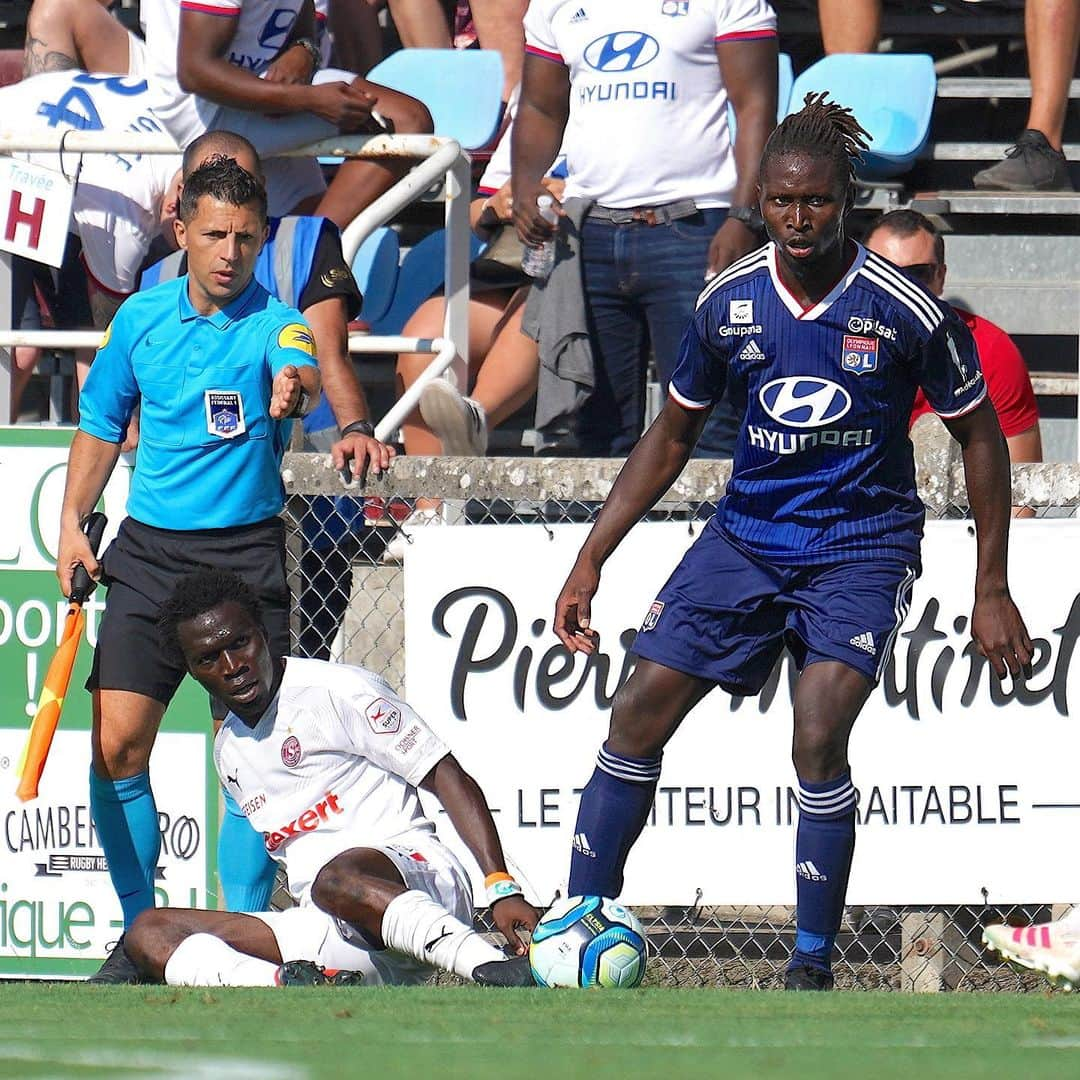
<point x="859" y="354"/>
<point x="652" y="616"/>
<point x="291" y="751"/>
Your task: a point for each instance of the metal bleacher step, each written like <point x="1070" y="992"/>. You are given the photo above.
<point x="992" y="88"/>
<point x="997" y="202"/>
<point x="981" y="151"/>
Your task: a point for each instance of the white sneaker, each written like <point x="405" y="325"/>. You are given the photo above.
<point x="1052" y="948"/>
<point x="460" y="422"/>
<point x="418" y="519"/>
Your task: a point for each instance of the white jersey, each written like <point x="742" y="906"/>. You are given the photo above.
<point x="261" y="29"/>
<point x="497" y="171"/>
<point x="648" y="108"/>
<point x="117" y="206"/>
<point x="332" y="764"/>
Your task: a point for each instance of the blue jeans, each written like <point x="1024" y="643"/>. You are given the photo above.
<point x="641" y="282"/>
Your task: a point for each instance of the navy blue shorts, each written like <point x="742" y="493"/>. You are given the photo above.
<point x="726" y="616"/>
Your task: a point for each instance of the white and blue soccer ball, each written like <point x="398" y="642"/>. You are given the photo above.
<point x="588" y="941"/>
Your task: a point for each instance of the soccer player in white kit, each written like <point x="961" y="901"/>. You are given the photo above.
<point x="325" y="760"/>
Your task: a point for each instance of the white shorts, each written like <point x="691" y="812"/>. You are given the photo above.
<point x="309" y="933"/>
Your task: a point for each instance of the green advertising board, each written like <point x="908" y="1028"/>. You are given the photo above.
<point x="58" y="912"/>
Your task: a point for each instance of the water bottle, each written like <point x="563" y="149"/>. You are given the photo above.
<point x="539" y="259"/>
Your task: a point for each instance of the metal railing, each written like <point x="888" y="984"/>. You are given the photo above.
<point x="438" y="158"/>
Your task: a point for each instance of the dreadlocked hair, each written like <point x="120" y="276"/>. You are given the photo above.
<point x="821" y="129"/>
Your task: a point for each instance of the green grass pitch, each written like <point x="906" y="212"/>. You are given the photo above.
<point x="62" y="1030"/>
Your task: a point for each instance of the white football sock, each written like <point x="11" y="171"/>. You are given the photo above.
<point x="205" y="960"/>
<point x="420" y="927"/>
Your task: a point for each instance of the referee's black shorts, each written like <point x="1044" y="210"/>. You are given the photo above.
<point x="142" y="566"/>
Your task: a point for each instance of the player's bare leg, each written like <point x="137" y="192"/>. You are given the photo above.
<point x="359" y="183"/>
<point x="828" y="698"/>
<point x="159" y="932"/>
<point x="648" y="710"/>
<point x="363" y="888"/>
<point x="64" y="34"/>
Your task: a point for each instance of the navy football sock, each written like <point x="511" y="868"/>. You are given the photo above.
<point x="614" y="806"/>
<point x="824" y="845"/>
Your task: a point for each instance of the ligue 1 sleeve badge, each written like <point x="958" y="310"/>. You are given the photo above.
<point x="224" y="413"/>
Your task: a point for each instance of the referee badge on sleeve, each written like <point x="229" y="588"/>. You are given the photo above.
<point x="224" y="413"/>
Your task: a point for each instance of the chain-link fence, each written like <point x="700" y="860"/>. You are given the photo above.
<point x="346" y="569"/>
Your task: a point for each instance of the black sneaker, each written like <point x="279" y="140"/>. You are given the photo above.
<point x="307" y="973"/>
<point x="807" y="977"/>
<point x="513" y="972"/>
<point x="118" y="970"/>
<point x="1031" y="165"/>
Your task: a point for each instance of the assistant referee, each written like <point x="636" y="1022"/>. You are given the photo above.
<point x="219" y="367"/>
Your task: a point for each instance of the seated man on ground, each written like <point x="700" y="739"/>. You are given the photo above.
<point x="325" y="761"/>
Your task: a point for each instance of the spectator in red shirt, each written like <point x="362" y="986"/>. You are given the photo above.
<point x="910" y="240"/>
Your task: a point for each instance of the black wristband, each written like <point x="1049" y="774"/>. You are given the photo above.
<point x="359" y="427"/>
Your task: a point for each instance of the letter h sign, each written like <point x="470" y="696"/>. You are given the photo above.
<point x="35" y="210"/>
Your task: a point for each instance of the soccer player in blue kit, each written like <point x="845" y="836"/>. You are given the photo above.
<point x="815" y="546"/>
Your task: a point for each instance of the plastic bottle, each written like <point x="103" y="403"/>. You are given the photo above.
<point x="539" y="259"/>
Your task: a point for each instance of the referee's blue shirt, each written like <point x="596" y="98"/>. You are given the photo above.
<point x="209" y="454"/>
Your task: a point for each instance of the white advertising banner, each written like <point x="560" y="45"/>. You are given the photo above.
<point x="56" y="901"/>
<point x="57" y="908"/>
<point x="969" y="788"/>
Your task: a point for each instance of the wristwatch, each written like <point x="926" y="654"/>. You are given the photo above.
<point x="750" y="216"/>
<point x="359" y="427"/>
<point x="313" y="52"/>
<point x="301" y="406"/>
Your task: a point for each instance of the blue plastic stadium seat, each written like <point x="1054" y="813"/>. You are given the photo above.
<point x="375" y="268"/>
<point x="892" y="96"/>
<point x="462" y="88"/>
<point x="785" y="76"/>
<point x="420" y="276"/>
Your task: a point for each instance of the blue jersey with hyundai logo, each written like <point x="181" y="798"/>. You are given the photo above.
<point x="823" y="466"/>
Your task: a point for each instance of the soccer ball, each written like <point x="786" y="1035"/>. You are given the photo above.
<point x="588" y="941"/>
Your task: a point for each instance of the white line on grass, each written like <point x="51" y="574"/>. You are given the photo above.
<point x="149" y="1063"/>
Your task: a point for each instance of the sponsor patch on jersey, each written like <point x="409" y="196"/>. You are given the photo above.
<point x="106" y="337"/>
<point x="333" y="276"/>
<point x="224" y="413"/>
<point x="291" y="752"/>
<point x="384" y="718"/>
<point x="297" y="336"/>
<point x="652" y="616"/>
<point x="675" y="8"/>
<point x="859" y="354"/>
<point x="741" y="312"/>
